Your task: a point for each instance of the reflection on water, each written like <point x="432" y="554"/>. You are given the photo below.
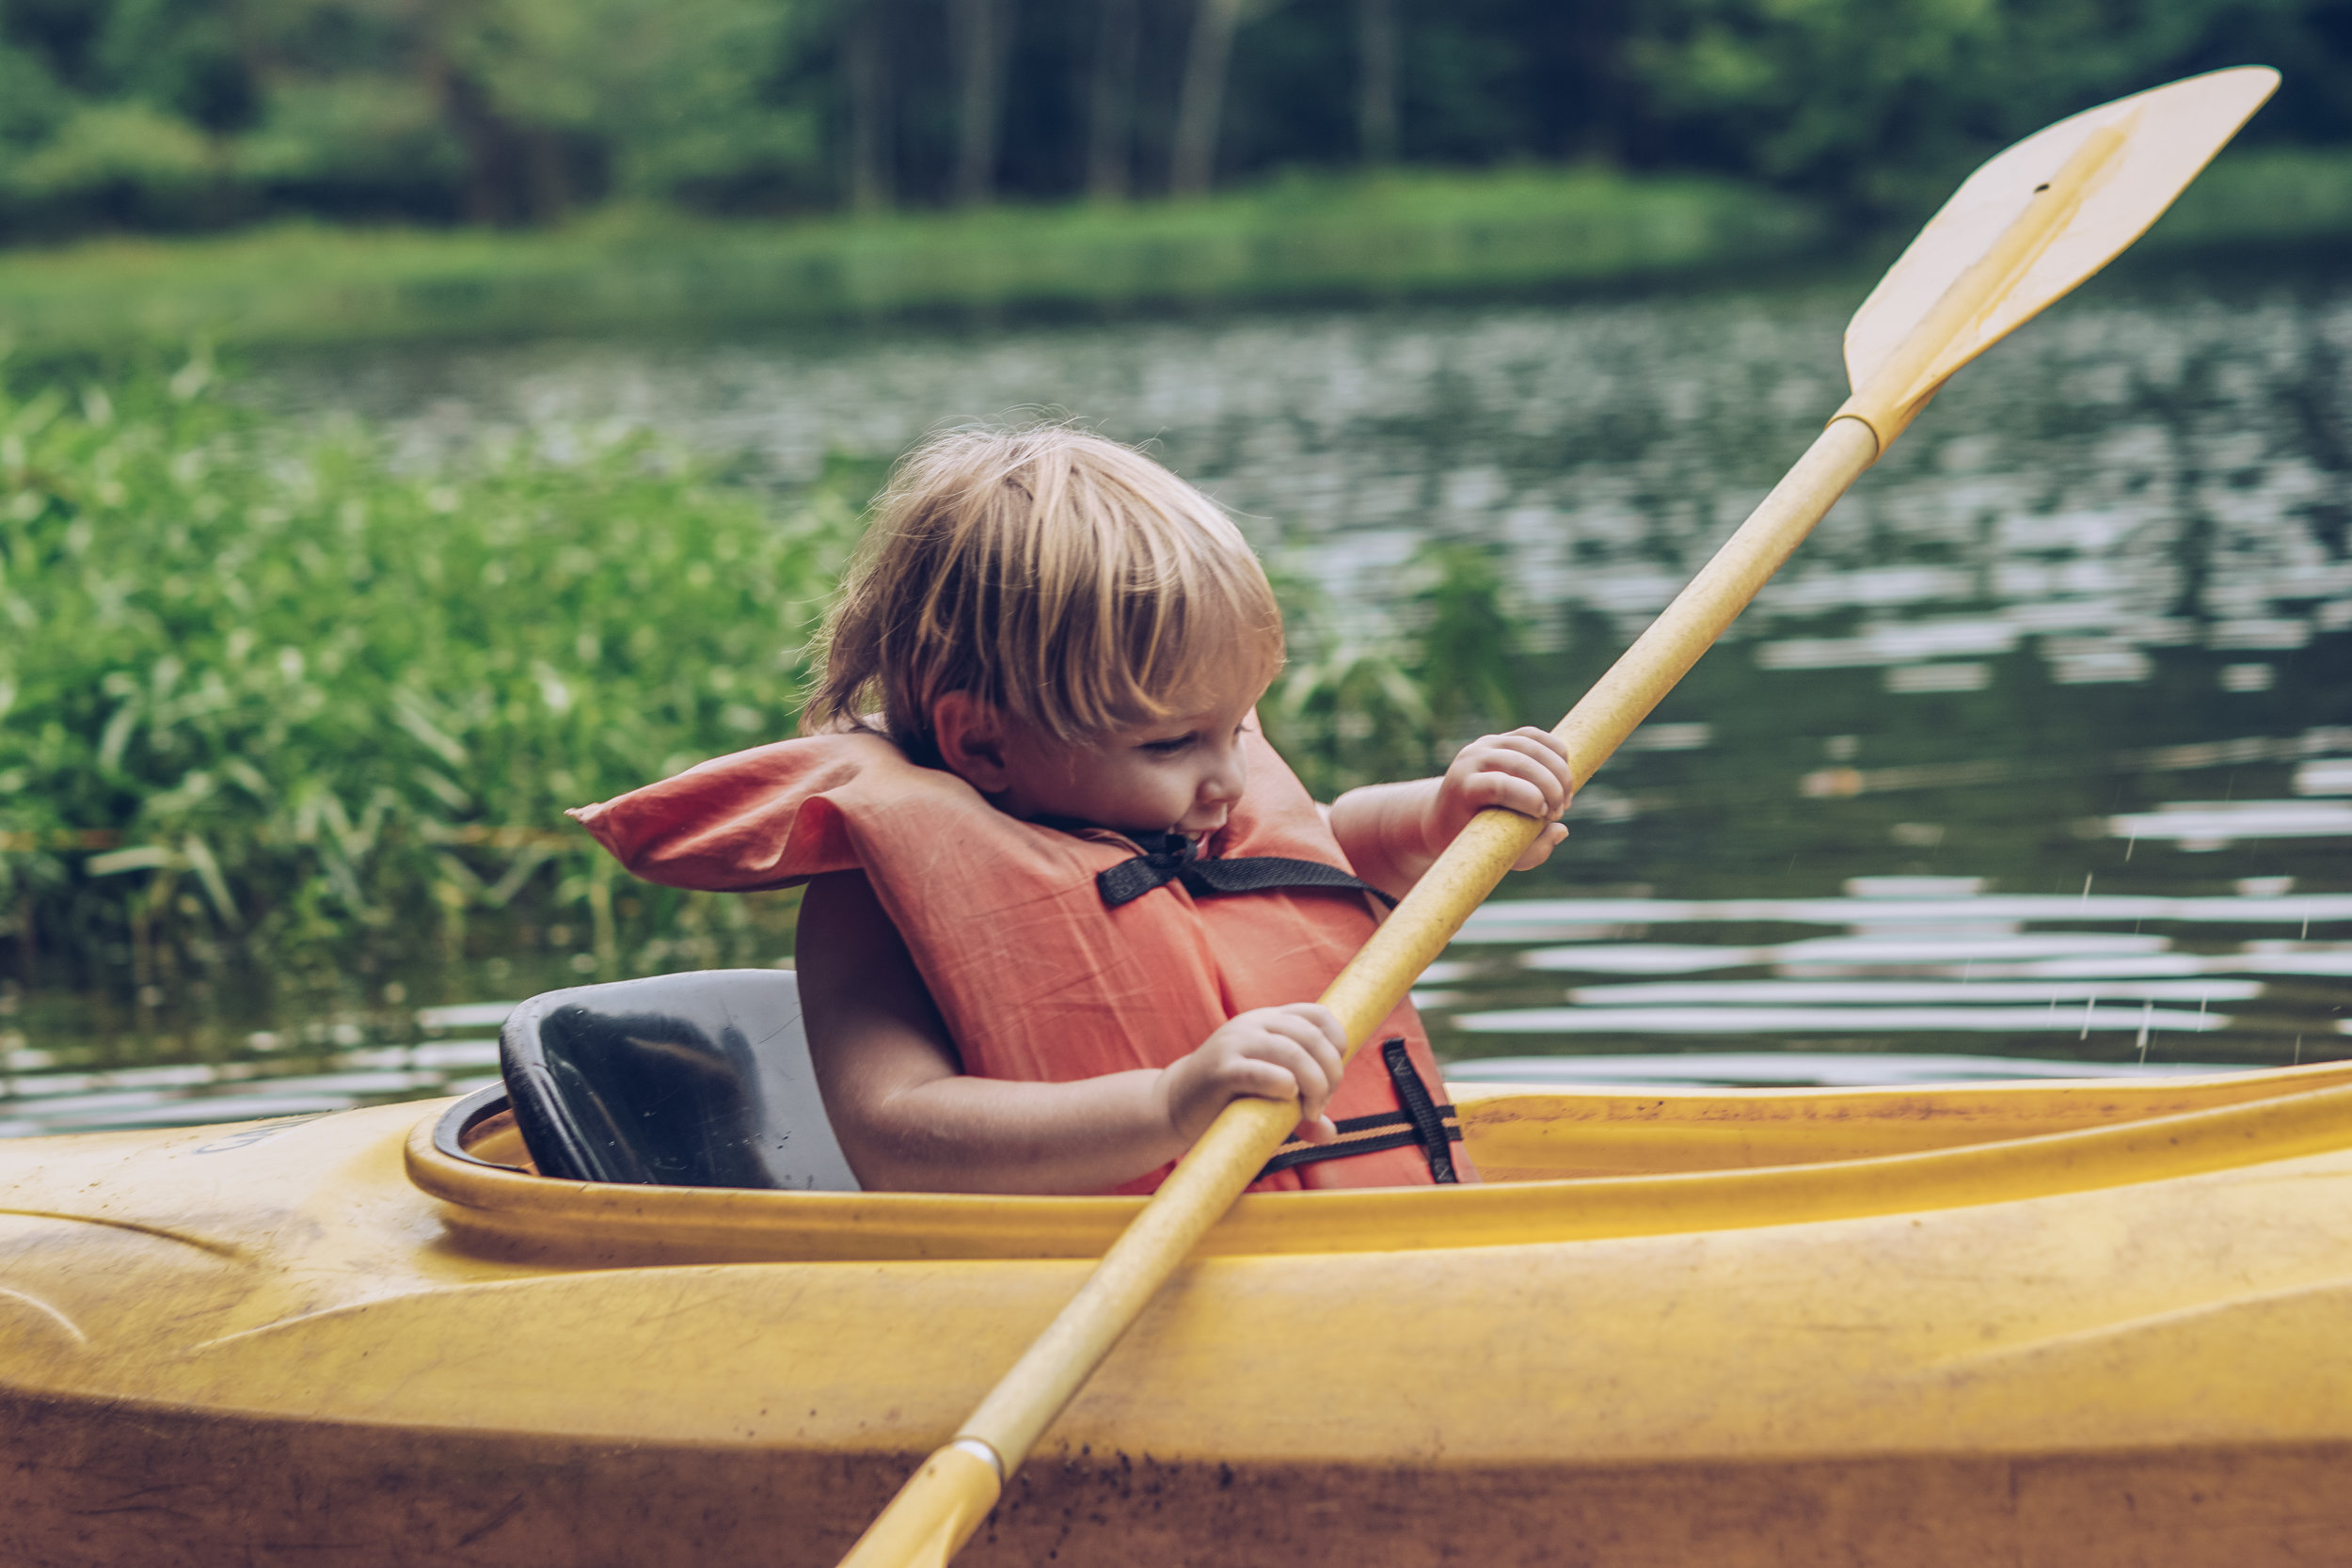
<point x="2081" y="648"/>
<point x="1924" y="958"/>
<point x="45" y="1097"/>
<point x="2136" y="474"/>
<point x="1794" y="1070"/>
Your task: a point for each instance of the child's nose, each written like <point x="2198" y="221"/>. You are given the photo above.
<point x="1227" y="772"/>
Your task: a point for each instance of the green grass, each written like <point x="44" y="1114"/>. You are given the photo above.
<point x="1395" y="236"/>
<point x="264" y="696"/>
<point x="1403" y="235"/>
<point x="2263" y="196"/>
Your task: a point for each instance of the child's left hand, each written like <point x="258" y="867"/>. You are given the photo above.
<point x="1525" y="771"/>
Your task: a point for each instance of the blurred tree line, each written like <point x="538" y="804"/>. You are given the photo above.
<point x="188" y="114"/>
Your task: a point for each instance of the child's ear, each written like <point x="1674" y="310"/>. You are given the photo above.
<point x="971" y="738"/>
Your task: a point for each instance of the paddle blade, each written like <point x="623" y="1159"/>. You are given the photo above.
<point x="1991" y="261"/>
<point x="932" y="1516"/>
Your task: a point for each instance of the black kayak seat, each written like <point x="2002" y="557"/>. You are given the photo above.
<point x="697" y="1080"/>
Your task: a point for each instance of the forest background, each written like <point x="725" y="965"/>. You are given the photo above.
<point x="432" y="168"/>
<point x="183" y="115"/>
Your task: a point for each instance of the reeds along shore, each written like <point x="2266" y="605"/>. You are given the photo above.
<point x="267" y="697"/>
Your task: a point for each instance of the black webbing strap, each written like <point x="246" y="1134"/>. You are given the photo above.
<point x="1436" y="1128"/>
<point x="1435" y="1141"/>
<point x="1174" y="858"/>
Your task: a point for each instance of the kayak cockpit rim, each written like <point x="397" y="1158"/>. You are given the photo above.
<point x="454" y="1126"/>
<point x="2183" y="1128"/>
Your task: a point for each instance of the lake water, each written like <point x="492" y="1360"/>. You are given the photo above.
<point x="2041" y="751"/>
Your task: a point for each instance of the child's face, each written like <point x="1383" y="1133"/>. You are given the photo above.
<point x="1181" y="773"/>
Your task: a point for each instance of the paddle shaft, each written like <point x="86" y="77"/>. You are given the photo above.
<point x="940" y="1508"/>
<point x="946" y="1501"/>
<point x="1246" y="1134"/>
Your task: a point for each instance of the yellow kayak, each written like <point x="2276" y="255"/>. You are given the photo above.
<point x="2064" y="1323"/>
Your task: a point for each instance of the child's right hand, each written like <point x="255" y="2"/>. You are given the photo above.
<point x="1296" y="1052"/>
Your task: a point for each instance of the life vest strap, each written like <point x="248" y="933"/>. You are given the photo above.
<point x="1436" y="1143"/>
<point x="1436" y="1128"/>
<point x="1176" y="858"/>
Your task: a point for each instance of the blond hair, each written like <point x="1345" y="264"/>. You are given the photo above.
<point x="1064" y="580"/>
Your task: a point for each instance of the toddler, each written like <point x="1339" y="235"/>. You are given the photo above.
<point x="1064" y="903"/>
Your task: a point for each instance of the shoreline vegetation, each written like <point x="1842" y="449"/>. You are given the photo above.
<point x="1527" y="229"/>
<point x="269" y="698"/>
<point x="648" y="270"/>
<point x="275" y="705"/>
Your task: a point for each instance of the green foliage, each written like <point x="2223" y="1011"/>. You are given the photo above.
<point x="111" y="148"/>
<point x="32" y="104"/>
<point x="264" y="694"/>
<point x="495" y="110"/>
<point x="1358" y="705"/>
<point x="1884" y="104"/>
<point x="1469" y="641"/>
<point x="354" y="142"/>
<point x="677" y="94"/>
<point x="177" y="114"/>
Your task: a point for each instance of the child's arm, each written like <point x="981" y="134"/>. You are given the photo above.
<point x="910" y="1120"/>
<point x="1392" y="833"/>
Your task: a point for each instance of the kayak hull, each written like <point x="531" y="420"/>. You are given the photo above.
<point x="126" y="1484"/>
<point x="2117" y="1341"/>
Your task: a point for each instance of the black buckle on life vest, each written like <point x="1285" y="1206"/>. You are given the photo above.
<point x="1176" y="858"/>
<point x="1436" y="1128"/>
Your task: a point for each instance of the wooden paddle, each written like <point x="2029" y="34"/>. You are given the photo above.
<point x="2019" y="233"/>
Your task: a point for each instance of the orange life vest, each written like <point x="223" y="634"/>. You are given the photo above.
<point x="1037" y="976"/>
